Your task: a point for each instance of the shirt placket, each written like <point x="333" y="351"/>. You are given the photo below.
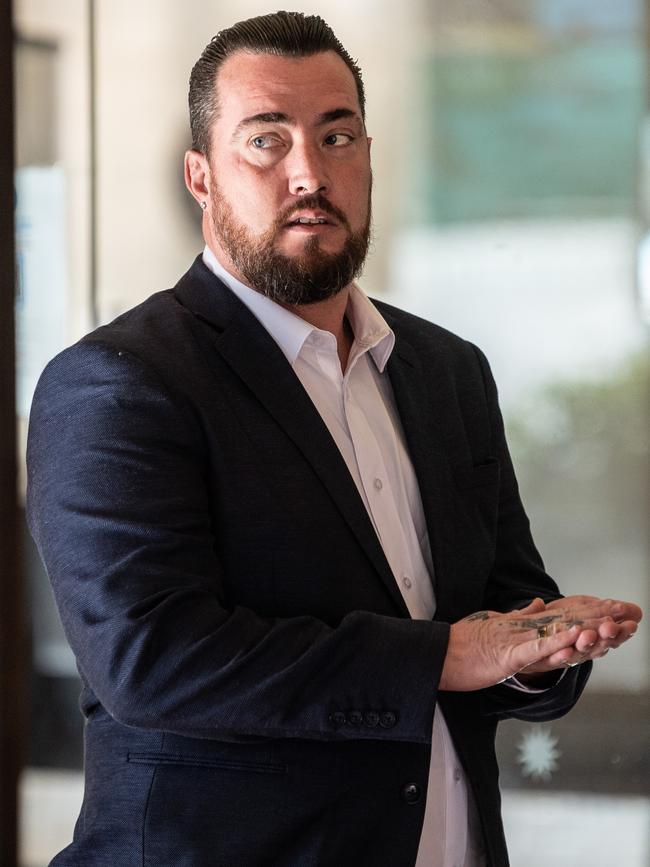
<point x="381" y="499"/>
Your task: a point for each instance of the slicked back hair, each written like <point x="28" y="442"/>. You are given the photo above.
<point x="285" y="34"/>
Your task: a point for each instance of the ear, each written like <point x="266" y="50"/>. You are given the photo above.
<point x="197" y="174"/>
<point x="369" y="140"/>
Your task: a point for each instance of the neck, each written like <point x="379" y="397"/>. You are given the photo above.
<point x="329" y="315"/>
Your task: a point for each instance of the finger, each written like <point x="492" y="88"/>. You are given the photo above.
<point x="591" y="643"/>
<point x="628" y="629"/>
<point x="584" y="605"/>
<point x="586" y="640"/>
<point x="619" y="609"/>
<point x="609" y="630"/>
<point x="561" y="659"/>
<point x="589" y="646"/>
<point x="626" y="611"/>
<point x="541" y="626"/>
<point x="602" y="645"/>
<point x="567" y="658"/>
<point x="624" y="631"/>
<point x="597" y="610"/>
<point x="538" y="649"/>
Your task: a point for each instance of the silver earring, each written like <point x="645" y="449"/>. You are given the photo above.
<point x="204" y="205"/>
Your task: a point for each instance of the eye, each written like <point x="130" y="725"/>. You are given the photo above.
<point x="264" y="142"/>
<point x="338" y="139"/>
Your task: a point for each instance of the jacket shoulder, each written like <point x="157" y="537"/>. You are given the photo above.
<point x="145" y="329"/>
<point x="142" y="356"/>
<point x="156" y="334"/>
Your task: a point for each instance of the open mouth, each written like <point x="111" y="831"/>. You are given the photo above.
<point x="309" y="221"/>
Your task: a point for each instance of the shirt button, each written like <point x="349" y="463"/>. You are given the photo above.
<point x="457" y="775"/>
<point x="411" y="793"/>
<point x="379" y="484"/>
<point x="337" y="718"/>
<point x="407" y="582"/>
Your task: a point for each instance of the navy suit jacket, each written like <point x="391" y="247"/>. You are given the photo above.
<point x="255" y="692"/>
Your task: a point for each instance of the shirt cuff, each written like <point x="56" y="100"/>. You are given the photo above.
<point x="515" y="683"/>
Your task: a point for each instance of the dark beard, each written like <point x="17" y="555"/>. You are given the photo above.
<point x="302" y="279"/>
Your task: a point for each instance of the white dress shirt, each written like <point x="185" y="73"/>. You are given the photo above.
<point x="359" y="410"/>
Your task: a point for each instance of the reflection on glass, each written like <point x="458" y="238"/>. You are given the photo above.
<point x="525" y="243"/>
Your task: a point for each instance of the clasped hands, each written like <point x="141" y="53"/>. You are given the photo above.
<point x="487" y="647"/>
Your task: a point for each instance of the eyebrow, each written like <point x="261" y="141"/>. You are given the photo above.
<point x="336" y="114"/>
<point x="280" y="117"/>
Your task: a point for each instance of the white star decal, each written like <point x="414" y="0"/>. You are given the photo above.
<point x="538" y="754"/>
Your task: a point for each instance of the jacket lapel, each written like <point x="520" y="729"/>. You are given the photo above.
<point x="414" y="394"/>
<point x="248" y="349"/>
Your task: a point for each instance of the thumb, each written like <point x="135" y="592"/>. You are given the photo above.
<point x="534" y="607"/>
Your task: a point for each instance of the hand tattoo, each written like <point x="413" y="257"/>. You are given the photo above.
<point x="559" y="621"/>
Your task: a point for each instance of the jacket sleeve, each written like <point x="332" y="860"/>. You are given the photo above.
<point x="517" y="577"/>
<point x="118" y="503"/>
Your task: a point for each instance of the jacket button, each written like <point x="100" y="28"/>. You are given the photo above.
<point x="387" y="719"/>
<point x="355" y="717"/>
<point x="371" y="718"/>
<point x="337" y="718"/>
<point x="411" y="793"/>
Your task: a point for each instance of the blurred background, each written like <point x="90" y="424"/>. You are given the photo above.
<point x="511" y="158"/>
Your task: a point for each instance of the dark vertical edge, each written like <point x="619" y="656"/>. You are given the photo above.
<point x="92" y="181"/>
<point x="12" y="632"/>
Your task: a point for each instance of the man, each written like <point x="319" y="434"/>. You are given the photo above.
<point x="281" y="521"/>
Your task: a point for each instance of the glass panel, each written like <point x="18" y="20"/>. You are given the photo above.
<point x="525" y="241"/>
<point x="52" y="310"/>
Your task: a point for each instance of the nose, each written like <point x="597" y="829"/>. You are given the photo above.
<point x="307" y="172"/>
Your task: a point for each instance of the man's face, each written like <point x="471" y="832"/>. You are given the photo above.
<point x="289" y="144"/>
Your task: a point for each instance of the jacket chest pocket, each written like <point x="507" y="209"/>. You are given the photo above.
<point x="469" y="477"/>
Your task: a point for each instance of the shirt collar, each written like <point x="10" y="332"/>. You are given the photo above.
<point x="371" y="331"/>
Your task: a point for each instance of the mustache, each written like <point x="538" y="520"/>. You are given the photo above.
<point x="314" y="202"/>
